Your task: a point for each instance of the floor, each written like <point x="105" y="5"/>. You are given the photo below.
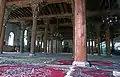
<point x="50" y="60"/>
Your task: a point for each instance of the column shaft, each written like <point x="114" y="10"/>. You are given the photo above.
<point x="52" y="39"/>
<point x="2" y="12"/>
<point x="33" y="36"/>
<point x="108" y="52"/>
<point x="45" y="40"/>
<point x="2" y="39"/>
<point x="22" y="39"/>
<point x="80" y="31"/>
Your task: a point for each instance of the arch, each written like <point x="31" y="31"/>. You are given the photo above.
<point x="11" y="39"/>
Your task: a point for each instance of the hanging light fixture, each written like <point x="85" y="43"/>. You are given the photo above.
<point x="57" y="33"/>
<point x="110" y="19"/>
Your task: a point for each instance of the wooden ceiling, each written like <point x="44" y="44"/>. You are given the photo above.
<point x="60" y="10"/>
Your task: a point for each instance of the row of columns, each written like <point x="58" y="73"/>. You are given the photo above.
<point x="98" y="41"/>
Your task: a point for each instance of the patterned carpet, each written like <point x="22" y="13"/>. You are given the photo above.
<point x="47" y="67"/>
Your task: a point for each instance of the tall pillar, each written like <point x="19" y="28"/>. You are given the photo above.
<point x="45" y="40"/>
<point x="73" y="23"/>
<point x="41" y="44"/>
<point x="2" y="39"/>
<point x="2" y="12"/>
<point x="56" y="45"/>
<point x="98" y="39"/>
<point x="22" y="36"/>
<point x="112" y="41"/>
<point x="80" y="33"/>
<point x="28" y="40"/>
<point x="48" y="45"/>
<point x="38" y="44"/>
<point x="108" y="52"/>
<point x="98" y="42"/>
<point x="52" y="39"/>
<point x="33" y="36"/>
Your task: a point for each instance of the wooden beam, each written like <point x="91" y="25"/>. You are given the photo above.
<point x="43" y="16"/>
<point x="30" y="11"/>
<point x="26" y="3"/>
<point x="49" y="10"/>
<point x="18" y="10"/>
<point x="27" y="12"/>
<point x="60" y="25"/>
<point x="51" y="6"/>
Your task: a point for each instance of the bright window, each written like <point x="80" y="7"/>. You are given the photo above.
<point x="11" y="39"/>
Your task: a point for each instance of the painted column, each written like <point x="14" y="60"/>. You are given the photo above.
<point x="22" y="37"/>
<point x="80" y="33"/>
<point x="33" y="35"/>
<point x="108" y="52"/>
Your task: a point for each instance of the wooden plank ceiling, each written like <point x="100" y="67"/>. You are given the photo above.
<point x="58" y="10"/>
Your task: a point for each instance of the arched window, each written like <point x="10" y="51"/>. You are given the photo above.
<point x="11" y="39"/>
<point x="25" y="37"/>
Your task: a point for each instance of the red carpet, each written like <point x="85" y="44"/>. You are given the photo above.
<point x="69" y="62"/>
<point x="29" y="71"/>
<point x="96" y="73"/>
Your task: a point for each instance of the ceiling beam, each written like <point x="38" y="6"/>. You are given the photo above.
<point x="43" y="16"/>
<point x="60" y="25"/>
<point x="27" y="3"/>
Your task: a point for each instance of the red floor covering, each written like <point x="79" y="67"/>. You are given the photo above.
<point x="69" y="62"/>
<point x="20" y="71"/>
<point x="37" y="71"/>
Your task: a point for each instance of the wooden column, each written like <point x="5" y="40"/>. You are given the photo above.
<point x="42" y="36"/>
<point x="45" y="40"/>
<point x="108" y="52"/>
<point x="22" y="37"/>
<point x="48" y="42"/>
<point x="80" y="32"/>
<point x="52" y="39"/>
<point x="112" y="41"/>
<point x="56" y="45"/>
<point x="98" y="42"/>
<point x="38" y="43"/>
<point x="2" y="12"/>
<point x="28" y="41"/>
<point x="73" y="23"/>
<point x="33" y="36"/>
<point x="2" y="39"/>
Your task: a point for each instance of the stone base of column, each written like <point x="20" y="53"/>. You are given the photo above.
<point x="32" y="54"/>
<point x="80" y="64"/>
